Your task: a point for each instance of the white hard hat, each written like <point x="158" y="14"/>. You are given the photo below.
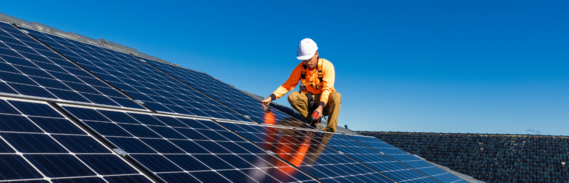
<point x="306" y="49"/>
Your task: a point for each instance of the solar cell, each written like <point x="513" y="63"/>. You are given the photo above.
<point x="177" y="148"/>
<point x="139" y="80"/>
<point x="407" y="158"/>
<point x="28" y="68"/>
<point x="220" y="91"/>
<point x="308" y="151"/>
<point x="31" y="150"/>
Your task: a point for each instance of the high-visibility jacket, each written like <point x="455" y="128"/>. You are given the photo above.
<point x="324" y="88"/>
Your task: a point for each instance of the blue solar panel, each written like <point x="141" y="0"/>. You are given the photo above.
<point x="308" y="151"/>
<point x="29" y="152"/>
<point x="28" y="68"/>
<point x="141" y="81"/>
<point x="220" y="91"/>
<point x="384" y="164"/>
<point x="407" y="159"/>
<point x="182" y="149"/>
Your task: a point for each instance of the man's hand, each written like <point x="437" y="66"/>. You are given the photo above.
<point x="267" y="100"/>
<point x="319" y="110"/>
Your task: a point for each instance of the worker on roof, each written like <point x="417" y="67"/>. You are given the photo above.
<point x="316" y="76"/>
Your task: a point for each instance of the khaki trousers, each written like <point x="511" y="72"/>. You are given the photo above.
<point x="299" y="101"/>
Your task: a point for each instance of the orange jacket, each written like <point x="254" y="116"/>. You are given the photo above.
<point x="327" y="85"/>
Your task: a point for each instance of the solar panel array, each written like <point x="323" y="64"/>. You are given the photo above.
<point x="407" y="159"/>
<point x="158" y="91"/>
<point x="75" y="112"/>
<point x="384" y="164"/>
<point x="308" y="151"/>
<point x="182" y="149"/>
<point x="37" y="143"/>
<point x="220" y="91"/>
<point x="28" y="68"/>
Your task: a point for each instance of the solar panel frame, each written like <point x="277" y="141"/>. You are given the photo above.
<point x="307" y="150"/>
<point x="168" y="155"/>
<point x="139" y="80"/>
<point x="32" y="70"/>
<point x="406" y="158"/>
<point x="40" y="154"/>
<point x="220" y="91"/>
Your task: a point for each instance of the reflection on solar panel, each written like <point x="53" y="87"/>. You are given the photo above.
<point x="39" y="144"/>
<point x="388" y="166"/>
<point x="28" y="68"/>
<point x="308" y="151"/>
<point x="407" y="159"/>
<point x="157" y="90"/>
<point x="183" y="149"/>
<point x="219" y="91"/>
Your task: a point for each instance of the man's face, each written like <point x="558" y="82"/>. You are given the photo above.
<point x="311" y="63"/>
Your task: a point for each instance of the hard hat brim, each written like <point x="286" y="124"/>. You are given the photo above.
<point x="304" y="57"/>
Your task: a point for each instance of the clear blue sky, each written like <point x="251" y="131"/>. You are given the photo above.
<point x="444" y="66"/>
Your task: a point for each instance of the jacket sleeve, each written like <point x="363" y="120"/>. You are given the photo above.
<point x="289" y="84"/>
<point x="327" y="82"/>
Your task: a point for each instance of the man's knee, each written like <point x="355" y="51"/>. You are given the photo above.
<point x="336" y="97"/>
<point x="293" y="96"/>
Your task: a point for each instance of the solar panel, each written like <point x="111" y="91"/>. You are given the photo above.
<point x="157" y="90"/>
<point x="220" y="91"/>
<point x="37" y="143"/>
<point x="308" y="151"/>
<point x="407" y="159"/>
<point x="180" y="149"/>
<point x="28" y="68"/>
<point x="384" y="164"/>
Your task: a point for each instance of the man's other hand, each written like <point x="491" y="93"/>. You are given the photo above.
<point x="267" y="100"/>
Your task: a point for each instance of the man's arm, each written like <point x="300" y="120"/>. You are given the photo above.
<point x="327" y="84"/>
<point x="289" y="85"/>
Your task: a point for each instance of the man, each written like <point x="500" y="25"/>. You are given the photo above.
<point x="317" y="75"/>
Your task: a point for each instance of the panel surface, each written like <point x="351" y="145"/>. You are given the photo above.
<point x="384" y="164"/>
<point x="308" y="151"/>
<point x="407" y="158"/>
<point x="221" y="92"/>
<point x="29" y="68"/>
<point x="182" y="149"/>
<point x="157" y="90"/>
<point x="38" y="143"/>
